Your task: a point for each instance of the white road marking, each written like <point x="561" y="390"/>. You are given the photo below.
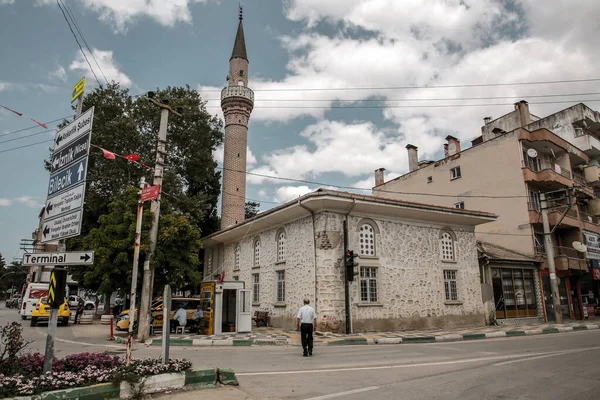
<point x="553" y="354"/>
<point x="416" y="365"/>
<point x="340" y="394"/>
<point x="112" y="346"/>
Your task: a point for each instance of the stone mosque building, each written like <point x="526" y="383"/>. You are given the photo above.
<point x="417" y="263"/>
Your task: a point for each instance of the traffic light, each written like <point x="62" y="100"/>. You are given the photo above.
<point x="350" y="264"/>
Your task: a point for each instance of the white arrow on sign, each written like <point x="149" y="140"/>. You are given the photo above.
<point x="63" y="258"/>
<point x="80" y="171"/>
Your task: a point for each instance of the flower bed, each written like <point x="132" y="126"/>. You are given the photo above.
<point x="25" y="377"/>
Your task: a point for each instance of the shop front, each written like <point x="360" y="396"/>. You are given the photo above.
<point x="226" y="307"/>
<point x="515" y="292"/>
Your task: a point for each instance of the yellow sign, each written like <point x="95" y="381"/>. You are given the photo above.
<point x="77" y="89"/>
<point x="51" y="289"/>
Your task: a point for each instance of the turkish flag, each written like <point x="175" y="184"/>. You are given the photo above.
<point x="39" y="123"/>
<point x="108" y="154"/>
<point x="132" y="157"/>
<point x="16" y="112"/>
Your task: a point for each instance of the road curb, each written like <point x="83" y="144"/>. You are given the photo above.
<point x="354" y="341"/>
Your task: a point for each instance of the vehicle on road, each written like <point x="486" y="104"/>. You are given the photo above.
<point x="33" y="293"/>
<point x="74" y="302"/>
<point x="41" y="312"/>
<point x="190" y="304"/>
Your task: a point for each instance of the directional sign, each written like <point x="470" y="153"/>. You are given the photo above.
<point x="150" y="193"/>
<point x="77" y="89"/>
<point x="69" y="258"/>
<point x="62" y="227"/>
<point x="67" y="178"/>
<point x="71" y="153"/>
<point x="65" y="202"/>
<point x="74" y="130"/>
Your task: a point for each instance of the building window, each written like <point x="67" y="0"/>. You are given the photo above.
<point x="460" y="204"/>
<point x="429" y="179"/>
<point x="237" y="258"/>
<point x="236" y="278"/>
<point x="367" y="240"/>
<point x="514" y="292"/>
<point x="455" y="173"/>
<point x="209" y="263"/>
<point x="450" y="285"/>
<point x="447" y="246"/>
<point x="368" y="284"/>
<point x="540" y="244"/>
<point x="281" y="246"/>
<point x="280" y="286"/>
<point x="256" y="288"/>
<point x="257" y="253"/>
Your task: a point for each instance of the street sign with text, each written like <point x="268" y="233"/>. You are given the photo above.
<point x="59" y="258"/>
<point x="77" y="89"/>
<point x="66" y="202"/>
<point x="67" y="178"/>
<point x="62" y="227"/>
<point x="150" y="193"/>
<point x="71" y="153"/>
<point x="74" y="130"/>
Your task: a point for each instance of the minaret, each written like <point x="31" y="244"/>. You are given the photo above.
<point x="237" y="101"/>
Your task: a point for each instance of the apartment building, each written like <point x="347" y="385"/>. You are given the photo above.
<point x="517" y="157"/>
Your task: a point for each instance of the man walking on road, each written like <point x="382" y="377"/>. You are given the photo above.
<point x="307" y="323"/>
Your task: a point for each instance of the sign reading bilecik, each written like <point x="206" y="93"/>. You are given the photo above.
<point x="66" y="187"/>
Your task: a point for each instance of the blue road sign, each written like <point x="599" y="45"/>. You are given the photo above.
<point x="68" y="177"/>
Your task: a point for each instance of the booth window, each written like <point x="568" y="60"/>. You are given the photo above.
<point x="280" y="286"/>
<point x="281" y="246"/>
<point x="256" y="288"/>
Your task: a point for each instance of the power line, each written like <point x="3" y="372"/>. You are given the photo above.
<point x="27" y="145"/>
<point x="437" y="98"/>
<point x="72" y="16"/>
<point x="422" y="87"/>
<point x="25" y="137"/>
<point x="415" y="106"/>
<point x="369" y="189"/>
<point x="79" y="44"/>
<point x="34" y="126"/>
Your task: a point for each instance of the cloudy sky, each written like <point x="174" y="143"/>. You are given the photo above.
<point x="341" y="86"/>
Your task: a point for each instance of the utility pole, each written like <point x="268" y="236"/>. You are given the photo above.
<point x="134" y="273"/>
<point x="550" y="257"/>
<point x="147" y="283"/>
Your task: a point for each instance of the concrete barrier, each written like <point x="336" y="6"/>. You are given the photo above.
<point x="106" y="319"/>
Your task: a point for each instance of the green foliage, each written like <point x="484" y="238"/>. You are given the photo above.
<point x="251" y="210"/>
<point x="14" y="274"/>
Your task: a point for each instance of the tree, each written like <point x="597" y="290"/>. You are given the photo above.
<point x="177" y="248"/>
<point x="252" y="208"/>
<point x="13" y="274"/>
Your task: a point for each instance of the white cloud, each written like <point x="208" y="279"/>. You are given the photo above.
<point x="5" y="86"/>
<point x="5" y="202"/>
<point x="107" y="64"/>
<point x="121" y="13"/>
<point x="59" y="73"/>
<point x="28" y="201"/>
<point x="5" y="2"/>
<point x="286" y="193"/>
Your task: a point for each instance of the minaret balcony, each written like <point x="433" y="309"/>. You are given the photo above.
<point x="237" y="91"/>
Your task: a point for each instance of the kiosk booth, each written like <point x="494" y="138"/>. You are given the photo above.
<point x="226" y="307"/>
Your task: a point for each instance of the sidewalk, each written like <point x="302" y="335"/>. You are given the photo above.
<point x="219" y="393"/>
<point x="279" y="337"/>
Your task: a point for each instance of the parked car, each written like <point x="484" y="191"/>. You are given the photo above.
<point x="41" y="312"/>
<point x="189" y="303"/>
<point x="33" y="293"/>
<point x="74" y="302"/>
<point x="122" y="321"/>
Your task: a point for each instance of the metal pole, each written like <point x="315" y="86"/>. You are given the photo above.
<point x="144" y="319"/>
<point x="166" y="327"/>
<point x="134" y="273"/>
<point x="49" y="353"/>
<point x="346" y="283"/>
<point x="550" y="257"/>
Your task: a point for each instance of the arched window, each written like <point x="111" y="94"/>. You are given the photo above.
<point x="447" y="250"/>
<point x="281" y="246"/>
<point x="237" y="257"/>
<point x="366" y="239"/>
<point x="257" y="253"/>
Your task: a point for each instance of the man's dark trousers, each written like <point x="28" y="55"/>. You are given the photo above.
<point x="306" y="332"/>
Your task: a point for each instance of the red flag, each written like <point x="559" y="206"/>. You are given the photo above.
<point x="16" y="112"/>
<point x="132" y="157"/>
<point x="39" y="123"/>
<point x="108" y="154"/>
<point x="143" y="165"/>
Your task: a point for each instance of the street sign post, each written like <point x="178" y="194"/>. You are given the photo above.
<point x="62" y="227"/>
<point x="66" y="202"/>
<point x="71" y="153"/>
<point x="67" y="178"/>
<point x="150" y="193"/>
<point x="59" y="258"/>
<point x="74" y="130"/>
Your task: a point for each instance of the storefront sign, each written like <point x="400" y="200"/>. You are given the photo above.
<point x="592" y="241"/>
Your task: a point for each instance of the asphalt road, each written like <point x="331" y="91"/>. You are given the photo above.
<point x="549" y="367"/>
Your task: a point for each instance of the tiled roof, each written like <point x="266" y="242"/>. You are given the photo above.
<point x="495" y="252"/>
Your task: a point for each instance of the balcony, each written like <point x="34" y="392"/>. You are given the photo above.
<point x="541" y="171"/>
<point x="554" y="215"/>
<point x="238" y="92"/>
<point x="590" y="222"/>
<point x="582" y="185"/>
<point x="592" y="174"/>
<point x="565" y="258"/>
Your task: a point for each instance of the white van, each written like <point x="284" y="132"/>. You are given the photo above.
<point x="33" y="293"/>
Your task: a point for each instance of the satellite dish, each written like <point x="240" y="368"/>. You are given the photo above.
<point x="580" y="247"/>
<point x="532" y="153"/>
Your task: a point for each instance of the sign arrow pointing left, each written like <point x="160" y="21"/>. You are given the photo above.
<point x="46" y="230"/>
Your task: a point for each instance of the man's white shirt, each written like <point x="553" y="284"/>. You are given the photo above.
<point x="307" y="314"/>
